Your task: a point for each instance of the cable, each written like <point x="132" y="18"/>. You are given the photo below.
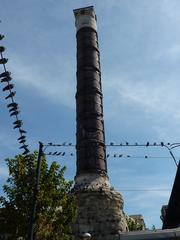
<point x="126" y="144"/>
<point x="168" y="146"/>
<point x="114" y="155"/>
<point x="144" y="190"/>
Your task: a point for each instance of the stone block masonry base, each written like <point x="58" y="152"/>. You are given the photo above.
<point x="100" y="213"/>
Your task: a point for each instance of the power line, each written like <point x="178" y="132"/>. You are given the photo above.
<point x="168" y="146"/>
<point x="113" y="155"/>
<point x="144" y="190"/>
<point x="122" y="144"/>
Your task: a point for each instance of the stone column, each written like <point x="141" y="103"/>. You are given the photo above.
<point x="91" y="151"/>
<point x="100" y="207"/>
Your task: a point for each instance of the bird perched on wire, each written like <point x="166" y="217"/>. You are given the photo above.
<point x="22" y="131"/>
<point x="11" y="95"/>
<point x="59" y="153"/>
<point x="18" y="124"/>
<point x="5" y="74"/>
<point x="6" y="79"/>
<point x="3" y="60"/>
<point x="13" y="105"/>
<point x="1" y="36"/>
<point x="8" y="87"/>
<point x="14" y="113"/>
<point x="2" y="49"/>
<point x="22" y="137"/>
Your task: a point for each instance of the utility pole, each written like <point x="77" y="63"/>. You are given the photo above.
<point x="31" y="235"/>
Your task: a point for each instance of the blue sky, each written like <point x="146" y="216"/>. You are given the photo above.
<point x="140" y="54"/>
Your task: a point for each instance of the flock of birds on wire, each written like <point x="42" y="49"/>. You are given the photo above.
<point x="169" y="146"/>
<point x="13" y="107"/>
<point x="126" y="144"/>
<point x="113" y="155"/>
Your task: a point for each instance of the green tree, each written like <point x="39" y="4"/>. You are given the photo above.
<point x="133" y="225"/>
<point x="56" y="208"/>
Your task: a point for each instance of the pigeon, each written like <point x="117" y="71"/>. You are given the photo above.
<point x="5" y="74"/>
<point x="24" y="146"/>
<point x="1" y="36"/>
<point x="22" y="137"/>
<point x="13" y="104"/>
<point x="14" y="113"/>
<point x="12" y="94"/>
<point x="3" y="60"/>
<point x="2" y="49"/>
<point x="22" y="141"/>
<point x="6" y="79"/>
<point x="13" y="109"/>
<point x="22" y="131"/>
<point x="25" y="152"/>
<point x="8" y="87"/>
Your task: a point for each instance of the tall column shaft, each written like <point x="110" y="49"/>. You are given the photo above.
<point x="100" y="207"/>
<point x="91" y="151"/>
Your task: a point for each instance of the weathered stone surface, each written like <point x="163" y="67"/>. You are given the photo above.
<point x="100" y="213"/>
<point x="100" y="207"/>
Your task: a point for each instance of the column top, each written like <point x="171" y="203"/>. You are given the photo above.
<point x="85" y="17"/>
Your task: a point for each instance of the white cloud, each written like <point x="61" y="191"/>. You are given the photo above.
<point x="147" y="198"/>
<point x="168" y="53"/>
<point x="174" y="51"/>
<point x="56" y="83"/>
<point x="153" y="97"/>
<point x="171" y="9"/>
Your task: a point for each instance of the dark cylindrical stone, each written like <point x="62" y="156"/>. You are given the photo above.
<point x="91" y="150"/>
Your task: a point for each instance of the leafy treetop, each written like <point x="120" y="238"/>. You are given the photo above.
<point x="56" y="208"/>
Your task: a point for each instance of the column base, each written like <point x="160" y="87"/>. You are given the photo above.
<point x="100" y="208"/>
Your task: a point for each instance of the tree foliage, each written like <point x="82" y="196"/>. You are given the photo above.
<point x="133" y="225"/>
<point x="55" y="206"/>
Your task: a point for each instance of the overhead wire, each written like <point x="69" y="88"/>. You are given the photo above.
<point x="168" y="145"/>
<point x="144" y="190"/>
